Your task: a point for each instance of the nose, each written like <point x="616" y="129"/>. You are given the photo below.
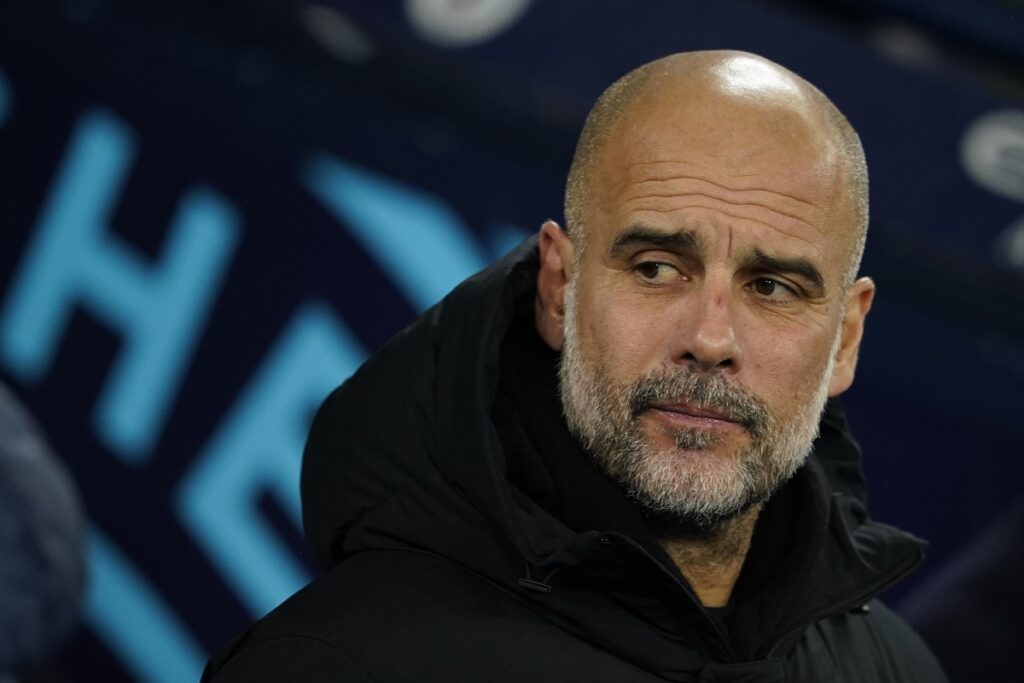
<point x="708" y="340"/>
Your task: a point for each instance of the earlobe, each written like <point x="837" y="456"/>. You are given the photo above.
<point x="858" y="303"/>
<point x="556" y="260"/>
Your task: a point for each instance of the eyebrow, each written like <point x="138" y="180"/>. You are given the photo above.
<point x="801" y="267"/>
<point x="683" y="241"/>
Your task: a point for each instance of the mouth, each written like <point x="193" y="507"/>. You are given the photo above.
<point x="694" y="416"/>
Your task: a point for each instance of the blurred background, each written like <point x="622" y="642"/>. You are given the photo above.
<point x="213" y="211"/>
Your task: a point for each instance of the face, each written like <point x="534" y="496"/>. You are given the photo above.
<point x="691" y="447"/>
<point x="706" y="321"/>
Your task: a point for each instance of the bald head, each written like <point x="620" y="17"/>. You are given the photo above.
<point x="719" y="96"/>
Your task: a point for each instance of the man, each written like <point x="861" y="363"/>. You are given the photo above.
<point x="700" y="309"/>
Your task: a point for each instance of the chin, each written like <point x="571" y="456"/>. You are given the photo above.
<point x="671" y="524"/>
<point x="694" y="489"/>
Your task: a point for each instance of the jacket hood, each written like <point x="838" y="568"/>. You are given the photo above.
<point x="404" y="455"/>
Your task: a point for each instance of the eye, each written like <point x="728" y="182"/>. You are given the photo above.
<point x="656" y="272"/>
<point x="773" y="290"/>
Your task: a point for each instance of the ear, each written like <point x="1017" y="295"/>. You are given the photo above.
<point x="556" y="262"/>
<point x="858" y="303"/>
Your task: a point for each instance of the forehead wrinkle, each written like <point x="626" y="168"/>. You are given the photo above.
<point x="792" y="207"/>
<point x="673" y="195"/>
<point x="718" y="208"/>
<point x="728" y="215"/>
<point x="793" y="198"/>
<point x="674" y="176"/>
<point x="683" y="162"/>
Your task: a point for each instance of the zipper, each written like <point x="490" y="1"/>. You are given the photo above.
<point x="715" y="626"/>
<point x="848" y="606"/>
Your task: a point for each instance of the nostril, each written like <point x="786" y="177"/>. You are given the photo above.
<point x="689" y="357"/>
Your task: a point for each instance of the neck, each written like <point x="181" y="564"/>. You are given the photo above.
<point x="711" y="562"/>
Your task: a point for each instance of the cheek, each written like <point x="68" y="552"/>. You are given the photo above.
<point x="787" y="366"/>
<point x="620" y="335"/>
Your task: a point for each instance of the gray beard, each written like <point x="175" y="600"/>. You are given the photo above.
<point x="687" y="486"/>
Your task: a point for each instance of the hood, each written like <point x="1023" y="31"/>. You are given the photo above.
<point x="405" y="455"/>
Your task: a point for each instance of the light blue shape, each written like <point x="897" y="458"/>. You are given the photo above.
<point x="504" y="237"/>
<point x="416" y="238"/>
<point x="168" y="319"/>
<point x="258" y="449"/>
<point x="159" y="309"/>
<point x="139" y="628"/>
<point x="5" y="99"/>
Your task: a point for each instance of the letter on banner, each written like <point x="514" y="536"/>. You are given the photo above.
<point x="134" y="620"/>
<point x="413" y="236"/>
<point x="157" y="308"/>
<point x="259" y="449"/>
<point x="5" y="99"/>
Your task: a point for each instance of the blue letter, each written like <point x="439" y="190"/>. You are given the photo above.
<point x="134" y="621"/>
<point x="5" y="99"/>
<point x="257" y="450"/>
<point x="418" y="240"/>
<point x="157" y="308"/>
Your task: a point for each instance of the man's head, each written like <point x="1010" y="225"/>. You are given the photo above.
<point x="704" y="299"/>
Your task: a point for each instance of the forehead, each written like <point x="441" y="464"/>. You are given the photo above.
<point x="765" y="174"/>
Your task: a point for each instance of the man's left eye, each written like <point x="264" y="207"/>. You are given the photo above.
<point x="772" y="289"/>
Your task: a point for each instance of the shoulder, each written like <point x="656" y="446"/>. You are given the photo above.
<point x="871" y="643"/>
<point x="286" y="658"/>
<point x="321" y="632"/>
<point x="383" y="614"/>
<point x="387" y="616"/>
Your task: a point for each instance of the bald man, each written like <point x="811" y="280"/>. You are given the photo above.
<point x="612" y="456"/>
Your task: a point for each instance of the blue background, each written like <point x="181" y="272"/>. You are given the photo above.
<point x="214" y="211"/>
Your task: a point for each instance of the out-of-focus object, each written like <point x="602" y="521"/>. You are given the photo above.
<point x="971" y="611"/>
<point x="42" y="561"/>
<point x="993" y="152"/>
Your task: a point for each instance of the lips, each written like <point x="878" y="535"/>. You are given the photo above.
<point x="685" y="399"/>
<point x="695" y="411"/>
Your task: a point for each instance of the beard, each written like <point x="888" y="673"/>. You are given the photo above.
<point x="687" y="486"/>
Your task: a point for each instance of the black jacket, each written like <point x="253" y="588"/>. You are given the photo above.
<point x="465" y="536"/>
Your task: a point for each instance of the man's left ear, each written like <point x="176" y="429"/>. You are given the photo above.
<point x="858" y="303"/>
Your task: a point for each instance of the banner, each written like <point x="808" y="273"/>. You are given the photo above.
<point x="212" y="217"/>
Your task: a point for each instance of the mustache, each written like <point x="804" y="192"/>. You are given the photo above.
<point x="705" y="390"/>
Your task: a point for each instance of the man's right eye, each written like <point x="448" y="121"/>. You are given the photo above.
<point x="656" y="271"/>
